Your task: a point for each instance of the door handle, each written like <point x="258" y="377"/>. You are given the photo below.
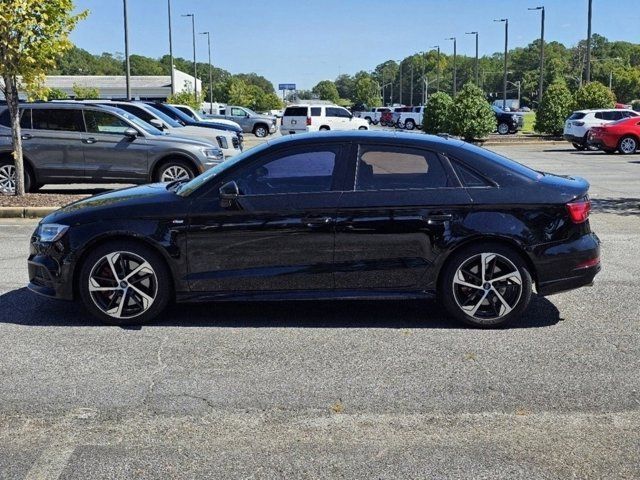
<point x="439" y="218"/>
<point x="26" y="136"/>
<point x="314" y="222"/>
<point x="89" y="140"/>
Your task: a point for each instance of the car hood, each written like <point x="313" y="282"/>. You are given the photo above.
<point x="173" y="138"/>
<point x="201" y="132"/>
<point x="147" y="199"/>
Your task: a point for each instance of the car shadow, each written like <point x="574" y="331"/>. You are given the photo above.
<point x="619" y="206"/>
<point x="22" y="307"/>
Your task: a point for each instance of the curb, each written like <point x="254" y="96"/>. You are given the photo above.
<point x="26" y="212"/>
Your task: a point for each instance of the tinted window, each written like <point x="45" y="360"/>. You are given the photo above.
<point x="577" y="116"/>
<point x="333" y="112"/>
<point x="394" y="168"/>
<point x="104" y="122"/>
<point x="137" y="111"/>
<point x="309" y="171"/>
<point x="295" y="112"/>
<point x="25" y="120"/>
<point x="237" y="112"/>
<point x="316" y="111"/>
<point x="57" y="119"/>
<point x="468" y="177"/>
<point x="5" y="119"/>
<point x="502" y="161"/>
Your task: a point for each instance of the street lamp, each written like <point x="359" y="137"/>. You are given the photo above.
<point x="506" y="45"/>
<point x="195" y="67"/>
<point x="173" y="75"/>
<point x="476" y="64"/>
<point x="455" y="70"/>
<point x="540" y="86"/>
<point x="437" y="68"/>
<point x="210" y="74"/>
<point x="126" y="52"/>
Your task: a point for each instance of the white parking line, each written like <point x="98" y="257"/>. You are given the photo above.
<point x="51" y="463"/>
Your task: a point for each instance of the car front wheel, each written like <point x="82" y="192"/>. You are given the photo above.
<point x="486" y="285"/>
<point x="503" y="129"/>
<point x="260" y="131"/>
<point x="409" y="125"/>
<point x="173" y="170"/>
<point x="124" y="283"/>
<point x="628" y="145"/>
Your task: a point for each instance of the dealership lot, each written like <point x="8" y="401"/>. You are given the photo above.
<point x="340" y="389"/>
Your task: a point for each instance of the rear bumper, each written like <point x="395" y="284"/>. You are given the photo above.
<point x="568" y="265"/>
<point x="573" y="139"/>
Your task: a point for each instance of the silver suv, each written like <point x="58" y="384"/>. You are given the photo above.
<point x="79" y="143"/>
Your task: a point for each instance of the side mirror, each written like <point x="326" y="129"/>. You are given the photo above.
<point x="229" y="193"/>
<point x="157" y="123"/>
<point x="131" y="133"/>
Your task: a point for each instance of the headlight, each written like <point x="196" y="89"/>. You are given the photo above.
<point x="213" y="153"/>
<point x="222" y="141"/>
<point x="514" y="118"/>
<point x="51" y="232"/>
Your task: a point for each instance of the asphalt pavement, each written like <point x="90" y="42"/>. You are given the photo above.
<point x="334" y="389"/>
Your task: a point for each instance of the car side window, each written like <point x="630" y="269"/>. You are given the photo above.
<point x="333" y="112"/>
<point x="307" y="171"/>
<point x="25" y="119"/>
<point x="237" y="112"/>
<point x="104" y="122"/>
<point x="58" y="119"/>
<point x="398" y="168"/>
<point x="599" y="116"/>
<point x="316" y="111"/>
<point x="468" y="177"/>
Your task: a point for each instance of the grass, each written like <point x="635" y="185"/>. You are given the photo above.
<point x="529" y="120"/>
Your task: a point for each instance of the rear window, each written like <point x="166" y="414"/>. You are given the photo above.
<point x="295" y="112"/>
<point x="503" y="161"/>
<point x="577" y="116"/>
<point x="68" y="120"/>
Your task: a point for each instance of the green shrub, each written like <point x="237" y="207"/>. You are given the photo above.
<point x="594" y="95"/>
<point x="635" y="105"/>
<point x="471" y="116"/>
<point x="556" y="106"/>
<point x="85" y="93"/>
<point x="56" y="94"/>
<point x="185" y="97"/>
<point x="436" y="113"/>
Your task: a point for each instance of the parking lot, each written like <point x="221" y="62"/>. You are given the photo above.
<point x="335" y="389"/>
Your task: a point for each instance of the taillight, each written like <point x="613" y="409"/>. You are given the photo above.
<point x="308" y="120"/>
<point x="579" y="210"/>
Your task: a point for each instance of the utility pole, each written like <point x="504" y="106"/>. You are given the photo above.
<point x="424" y="96"/>
<point x="173" y="75"/>
<point x="506" y="46"/>
<point x="476" y="64"/>
<point x="210" y="73"/>
<point x="411" y="93"/>
<point x="437" y="68"/>
<point x="195" y="66"/>
<point x="541" y="83"/>
<point x="401" y="82"/>
<point x="588" y="74"/>
<point x="126" y="52"/>
<point x="455" y="69"/>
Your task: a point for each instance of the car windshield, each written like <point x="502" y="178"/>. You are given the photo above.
<point x="179" y="114"/>
<point x="191" y="186"/>
<point x="165" y="118"/>
<point x="249" y="111"/>
<point x="196" y="114"/>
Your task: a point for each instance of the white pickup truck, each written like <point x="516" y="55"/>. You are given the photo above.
<point x="372" y="115"/>
<point x="410" y="118"/>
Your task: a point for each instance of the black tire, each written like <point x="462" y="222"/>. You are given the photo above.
<point x="503" y="128"/>
<point x="163" y="282"/>
<point x="628" y="145"/>
<point x="163" y="171"/>
<point x="29" y="180"/>
<point x="368" y="119"/>
<point x="363" y="128"/>
<point x="261" y="130"/>
<point x="450" y="296"/>
<point x="578" y="146"/>
<point x="409" y="124"/>
<point x="324" y="129"/>
<point x="375" y="122"/>
<point x="609" y="151"/>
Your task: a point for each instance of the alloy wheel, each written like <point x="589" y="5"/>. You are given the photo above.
<point x="173" y="173"/>
<point x="261" y="132"/>
<point x="8" y="179"/>
<point x="487" y="286"/>
<point x="628" y="145"/>
<point x="503" y="129"/>
<point x="123" y="285"/>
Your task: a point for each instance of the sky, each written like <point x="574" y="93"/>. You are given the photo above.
<point x="305" y="41"/>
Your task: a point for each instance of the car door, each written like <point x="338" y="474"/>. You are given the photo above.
<point x="109" y="154"/>
<point x="54" y="143"/>
<point x="335" y="118"/>
<point x="403" y="206"/>
<point x="240" y="116"/>
<point x="278" y="233"/>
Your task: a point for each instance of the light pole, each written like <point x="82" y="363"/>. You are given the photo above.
<point x="195" y="66"/>
<point x="411" y="92"/>
<point x="476" y="64"/>
<point x="126" y="52"/>
<point x="506" y="46"/>
<point x="588" y="73"/>
<point x="437" y="68"/>
<point x="541" y="83"/>
<point x="173" y="75"/>
<point x="210" y="73"/>
<point x="401" y="82"/>
<point x="455" y="70"/>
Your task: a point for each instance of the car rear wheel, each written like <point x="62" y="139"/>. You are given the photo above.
<point x="368" y="119"/>
<point x="503" y="128"/>
<point x="124" y="283"/>
<point x="628" y="145"/>
<point x="323" y="129"/>
<point x="8" y="178"/>
<point x="260" y="131"/>
<point x="173" y="170"/>
<point x="578" y="146"/>
<point x="363" y="128"/>
<point x="486" y="285"/>
<point x="409" y="124"/>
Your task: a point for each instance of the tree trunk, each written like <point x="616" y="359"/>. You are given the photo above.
<point x="11" y="95"/>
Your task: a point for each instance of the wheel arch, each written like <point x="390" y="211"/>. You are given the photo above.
<point x="7" y="155"/>
<point x="153" y="171"/>
<point x="632" y="135"/>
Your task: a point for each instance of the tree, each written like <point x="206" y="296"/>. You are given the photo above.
<point x="141" y="65"/>
<point x="85" y="93"/>
<point x="594" y="95"/>
<point x="34" y="34"/>
<point x="366" y="92"/>
<point x="185" y="97"/>
<point x="556" y="106"/>
<point x="471" y="116"/>
<point x="436" y="114"/>
<point x="326" y="90"/>
<point x="346" y="86"/>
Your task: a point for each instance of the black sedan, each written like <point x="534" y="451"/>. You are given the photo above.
<point x="331" y="216"/>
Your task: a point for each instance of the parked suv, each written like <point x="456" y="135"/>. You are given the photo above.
<point x="77" y="143"/>
<point x="312" y="118"/>
<point x="507" y="122"/>
<point x="578" y="125"/>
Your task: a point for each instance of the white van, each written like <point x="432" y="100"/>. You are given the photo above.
<point x="313" y="118"/>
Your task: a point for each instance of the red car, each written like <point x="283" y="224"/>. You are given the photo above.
<point x="623" y="135"/>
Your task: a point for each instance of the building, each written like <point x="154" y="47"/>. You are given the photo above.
<point x="153" y="87"/>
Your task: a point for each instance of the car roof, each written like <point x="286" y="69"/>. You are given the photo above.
<point x="595" y="110"/>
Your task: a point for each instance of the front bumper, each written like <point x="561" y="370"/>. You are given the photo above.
<point x="48" y="277"/>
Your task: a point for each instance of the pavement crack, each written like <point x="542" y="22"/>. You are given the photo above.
<point x="161" y="367"/>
